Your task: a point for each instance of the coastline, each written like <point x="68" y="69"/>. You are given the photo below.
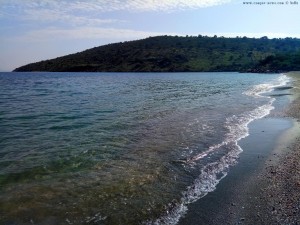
<point x="273" y="196"/>
<point x="264" y="187"/>
<point x="280" y="176"/>
<point x="233" y="200"/>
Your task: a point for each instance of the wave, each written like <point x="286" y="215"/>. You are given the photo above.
<point x="260" y="89"/>
<point x="214" y="172"/>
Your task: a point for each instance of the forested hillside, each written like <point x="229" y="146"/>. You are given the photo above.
<point x="279" y="63"/>
<point x="173" y="53"/>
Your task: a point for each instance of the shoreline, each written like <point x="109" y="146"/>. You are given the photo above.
<point x="264" y="187"/>
<point x="281" y="174"/>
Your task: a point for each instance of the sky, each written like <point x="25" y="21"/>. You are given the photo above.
<point x="35" y="30"/>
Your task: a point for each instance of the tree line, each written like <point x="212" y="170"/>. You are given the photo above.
<point x="180" y="54"/>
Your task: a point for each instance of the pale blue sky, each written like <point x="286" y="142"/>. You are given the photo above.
<point x="34" y="30"/>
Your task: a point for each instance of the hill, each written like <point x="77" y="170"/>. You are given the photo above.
<point x="174" y="54"/>
<point x="278" y="63"/>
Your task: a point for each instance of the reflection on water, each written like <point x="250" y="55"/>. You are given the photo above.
<point x="112" y="148"/>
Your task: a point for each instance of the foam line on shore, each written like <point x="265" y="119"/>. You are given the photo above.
<point x="214" y="172"/>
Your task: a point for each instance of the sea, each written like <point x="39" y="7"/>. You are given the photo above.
<point x="122" y="148"/>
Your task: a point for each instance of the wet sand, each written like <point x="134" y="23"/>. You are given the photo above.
<point x="264" y="187"/>
<point x="273" y="196"/>
<point x="278" y="201"/>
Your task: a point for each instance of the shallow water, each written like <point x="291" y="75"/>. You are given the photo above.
<point x="121" y="148"/>
<point x="231" y="199"/>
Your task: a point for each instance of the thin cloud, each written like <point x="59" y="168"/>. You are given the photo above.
<point x="68" y="13"/>
<point x="51" y="15"/>
<point x="113" y="5"/>
<point x="144" y="5"/>
<point x="173" y="5"/>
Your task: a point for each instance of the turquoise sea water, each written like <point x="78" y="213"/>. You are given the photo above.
<point x="121" y="148"/>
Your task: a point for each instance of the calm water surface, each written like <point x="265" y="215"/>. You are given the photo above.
<point x="121" y="148"/>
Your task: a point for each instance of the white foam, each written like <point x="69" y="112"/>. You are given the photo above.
<point x="212" y="173"/>
<point x="260" y="89"/>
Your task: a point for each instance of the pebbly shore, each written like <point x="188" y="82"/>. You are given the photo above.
<point x="273" y="196"/>
<point x="282" y="175"/>
<point x="264" y="187"/>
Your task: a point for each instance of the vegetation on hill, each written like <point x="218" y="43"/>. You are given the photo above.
<point x="279" y="63"/>
<point x="177" y="54"/>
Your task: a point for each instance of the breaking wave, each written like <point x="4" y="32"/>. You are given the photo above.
<point x="212" y="173"/>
